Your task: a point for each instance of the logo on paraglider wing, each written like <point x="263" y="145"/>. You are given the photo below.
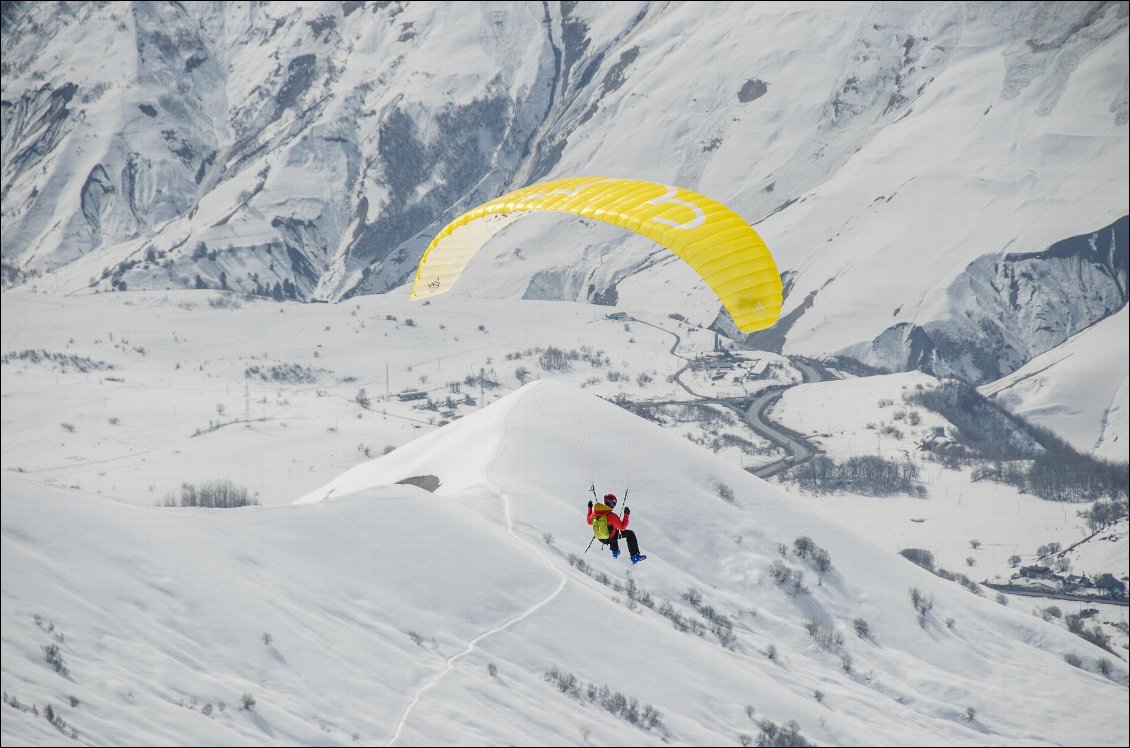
<point x="669" y="197"/>
<point x="434" y="283"/>
<point x="568" y="192"/>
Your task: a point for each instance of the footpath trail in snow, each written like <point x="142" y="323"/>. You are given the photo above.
<point x="449" y="663"/>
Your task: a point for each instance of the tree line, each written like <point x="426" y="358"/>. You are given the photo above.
<point x="869" y="475"/>
<point x="1032" y="458"/>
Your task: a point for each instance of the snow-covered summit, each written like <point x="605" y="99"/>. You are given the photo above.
<point x="390" y="614"/>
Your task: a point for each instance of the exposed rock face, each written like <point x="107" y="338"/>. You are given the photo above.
<point x="1013" y="307"/>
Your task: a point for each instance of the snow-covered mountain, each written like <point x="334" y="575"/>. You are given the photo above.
<point x="385" y="613"/>
<point x="943" y="185"/>
<point x="1076" y="389"/>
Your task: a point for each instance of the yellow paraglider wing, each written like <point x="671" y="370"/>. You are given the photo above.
<point x="714" y="240"/>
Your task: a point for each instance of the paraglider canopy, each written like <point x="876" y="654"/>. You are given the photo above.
<point x="714" y="240"/>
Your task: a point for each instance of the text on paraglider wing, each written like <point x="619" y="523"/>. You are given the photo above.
<point x="565" y="190"/>
<point x="669" y="197"/>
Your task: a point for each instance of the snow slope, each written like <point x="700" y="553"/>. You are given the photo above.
<point x="1075" y="389"/>
<point x="386" y="606"/>
<point x="971" y="527"/>
<point x="854" y="417"/>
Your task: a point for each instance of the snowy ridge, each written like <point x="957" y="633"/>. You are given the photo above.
<point x="356" y="582"/>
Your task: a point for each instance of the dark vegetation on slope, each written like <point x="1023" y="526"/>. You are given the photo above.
<point x="1018" y="453"/>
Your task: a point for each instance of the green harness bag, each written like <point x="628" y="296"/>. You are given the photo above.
<point x="600" y="523"/>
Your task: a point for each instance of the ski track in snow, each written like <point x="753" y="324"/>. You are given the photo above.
<point x="449" y="663"/>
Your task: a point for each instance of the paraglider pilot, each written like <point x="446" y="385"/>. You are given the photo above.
<point x="608" y="527"/>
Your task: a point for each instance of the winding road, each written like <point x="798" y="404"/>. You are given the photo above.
<point x="797" y="449"/>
